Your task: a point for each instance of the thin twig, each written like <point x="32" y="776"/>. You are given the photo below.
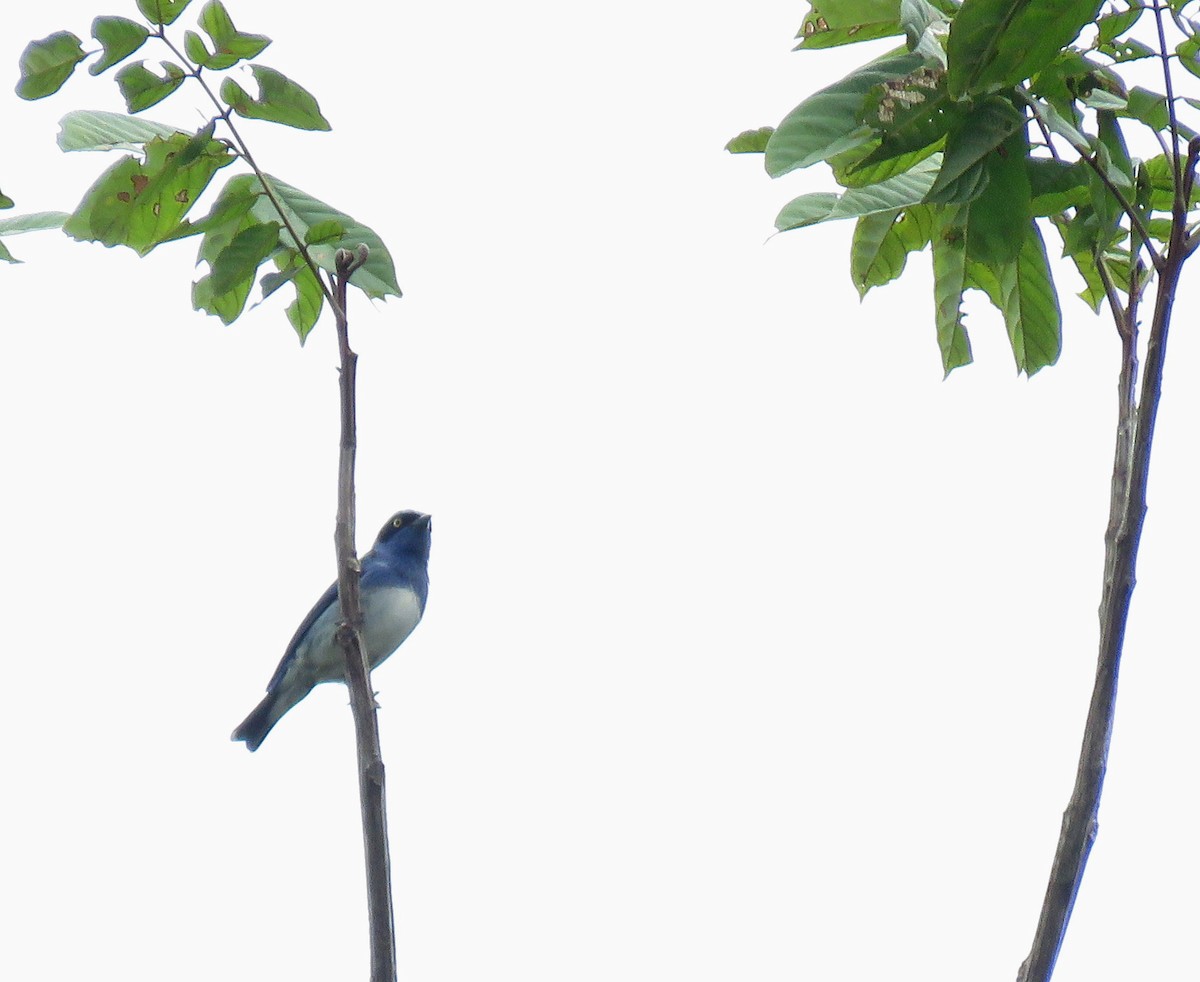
<point x="1134" y="219"/>
<point x="1110" y="289"/>
<point x="371" y="787"/>
<point x="1047" y="136"/>
<point x="1165" y="56"/>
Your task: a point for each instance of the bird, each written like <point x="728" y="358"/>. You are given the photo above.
<point x="395" y="584"/>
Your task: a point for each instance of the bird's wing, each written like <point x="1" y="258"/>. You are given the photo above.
<point x="328" y="598"/>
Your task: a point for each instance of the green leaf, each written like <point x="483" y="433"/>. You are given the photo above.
<point x="882" y="242"/>
<point x="1121" y="170"/>
<point x="1161" y="172"/>
<point x="228" y="305"/>
<point x="1080" y="232"/>
<point x="377" y="279"/>
<point x="305" y="310"/>
<point x="120" y="37"/>
<point x="92" y="129"/>
<point x="330" y="230"/>
<point x="1101" y="99"/>
<point x="966" y="187"/>
<point x="27" y="223"/>
<point x="35" y="222"/>
<point x="751" y="141"/>
<point x="850" y="171"/>
<point x="1060" y="82"/>
<point x="868" y="267"/>
<point x="827" y="122"/>
<point x="1150" y="108"/>
<point x="228" y="215"/>
<point x="920" y="20"/>
<point x="140" y="204"/>
<point x="231" y="214"/>
<point x="1105" y="207"/>
<point x="6" y="202"/>
<point x="977" y="134"/>
<point x="47" y="64"/>
<point x="229" y="41"/>
<point x="229" y="44"/>
<point x="1029" y="304"/>
<point x="913" y="113"/>
<point x="141" y="88"/>
<point x="1093" y="292"/>
<point x="1055" y="185"/>
<point x="1188" y="52"/>
<point x="995" y="44"/>
<point x="1057" y="123"/>
<point x="1160" y="229"/>
<point x="1000" y="216"/>
<point x="1121" y="273"/>
<point x="280" y="101"/>
<point x="240" y="259"/>
<point x="896" y="193"/>
<point x="835" y="22"/>
<point x="162" y="11"/>
<point x="949" y="282"/>
<point x="1127" y="50"/>
<point x="1112" y="26"/>
<point x="808" y="209"/>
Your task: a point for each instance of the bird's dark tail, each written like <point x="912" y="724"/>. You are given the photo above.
<point x="255" y="727"/>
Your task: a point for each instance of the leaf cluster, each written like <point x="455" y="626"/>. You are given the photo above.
<point x="256" y="222"/>
<point x="997" y="121"/>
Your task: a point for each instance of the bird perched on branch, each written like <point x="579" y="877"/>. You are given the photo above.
<point x="395" y="583"/>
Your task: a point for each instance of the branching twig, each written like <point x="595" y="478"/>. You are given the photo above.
<point x="1134" y="218"/>
<point x="1086" y="155"/>
<point x="243" y="150"/>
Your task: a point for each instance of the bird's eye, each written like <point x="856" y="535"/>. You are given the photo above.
<point x="397" y="522"/>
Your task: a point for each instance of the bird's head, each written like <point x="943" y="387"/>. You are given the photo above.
<point x="406" y="531"/>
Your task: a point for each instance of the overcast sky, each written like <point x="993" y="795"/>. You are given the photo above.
<point x="754" y="650"/>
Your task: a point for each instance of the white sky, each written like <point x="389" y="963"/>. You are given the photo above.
<point x="754" y="650"/>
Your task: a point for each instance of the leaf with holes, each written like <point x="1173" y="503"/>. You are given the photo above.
<point x="140" y="204"/>
<point x="162" y="11"/>
<point x="141" y="88"/>
<point x="827" y="122"/>
<point x="120" y="37"/>
<point x="280" y="101"/>
<point x="229" y="44"/>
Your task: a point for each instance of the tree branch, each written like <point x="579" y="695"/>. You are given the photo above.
<point x="371" y="789"/>
<point x="1127" y="512"/>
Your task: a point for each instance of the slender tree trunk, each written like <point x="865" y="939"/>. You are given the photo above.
<point x="371" y="787"/>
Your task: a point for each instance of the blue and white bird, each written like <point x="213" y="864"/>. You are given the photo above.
<point x="395" y="583"/>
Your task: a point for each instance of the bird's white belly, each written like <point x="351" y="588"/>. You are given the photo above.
<point x="389" y="616"/>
